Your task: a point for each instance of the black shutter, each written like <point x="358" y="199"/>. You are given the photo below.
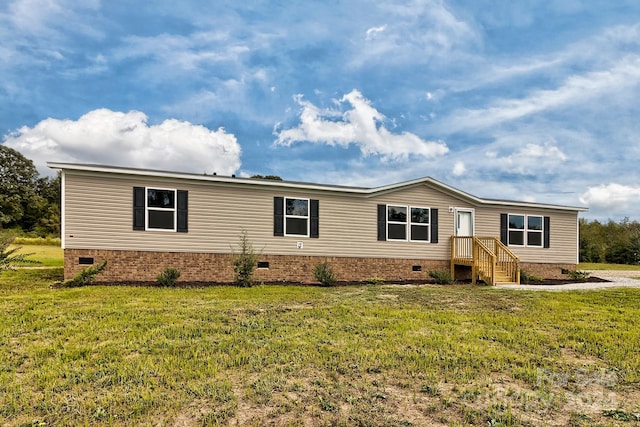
<point x="314" y="218"/>
<point x="138" y="208"/>
<point x="183" y="205"/>
<point x="434" y="225"/>
<point x="382" y="222"/>
<point x="504" y="229"/>
<point x="547" y="232"/>
<point x="278" y="216"/>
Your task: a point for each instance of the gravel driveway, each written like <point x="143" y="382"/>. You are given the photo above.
<point x="616" y="279"/>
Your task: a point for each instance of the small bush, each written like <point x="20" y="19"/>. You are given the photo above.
<point x="84" y="277"/>
<point x="529" y="278"/>
<point x="442" y="277"/>
<point x="168" y="277"/>
<point x="576" y="275"/>
<point x="324" y="274"/>
<point x="245" y="262"/>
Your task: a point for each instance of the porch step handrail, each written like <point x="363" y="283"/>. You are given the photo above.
<point x="487" y="256"/>
<point x="484" y="263"/>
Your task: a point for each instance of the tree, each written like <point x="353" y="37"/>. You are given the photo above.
<point x="245" y="262"/>
<point x="18" y="177"/>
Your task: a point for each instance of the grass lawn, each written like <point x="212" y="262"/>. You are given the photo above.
<point x="47" y="255"/>
<point x="599" y="266"/>
<point x="374" y="355"/>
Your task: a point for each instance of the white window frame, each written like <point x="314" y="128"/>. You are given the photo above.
<point x="406" y="238"/>
<point x="525" y="231"/>
<point x="411" y="223"/>
<point x="307" y="217"/>
<point x="147" y="209"/>
<point x="541" y="231"/>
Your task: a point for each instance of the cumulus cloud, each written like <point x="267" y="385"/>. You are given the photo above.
<point x="611" y="196"/>
<point x="125" y="139"/>
<point x="360" y="125"/>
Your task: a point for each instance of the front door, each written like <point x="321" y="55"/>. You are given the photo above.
<point x="464" y="222"/>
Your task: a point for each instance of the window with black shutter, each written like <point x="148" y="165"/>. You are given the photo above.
<point x="296" y="217"/>
<point x="160" y="209"/>
<point x="407" y="223"/>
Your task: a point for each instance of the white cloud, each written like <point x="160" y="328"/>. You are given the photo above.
<point x="125" y="139"/>
<point x="459" y="168"/>
<point x="371" y="32"/>
<point x="532" y="159"/>
<point x="575" y="90"/>
<point x="419" y="32"/>
<point x="611" y="196"/>
<point x="360" y="125"/>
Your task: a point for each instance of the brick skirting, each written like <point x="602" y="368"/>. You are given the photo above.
<point x="144" y="266"/>
<point x="546" y="271"/>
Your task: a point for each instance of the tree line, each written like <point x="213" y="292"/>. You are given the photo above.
<point x="611" y="242"/>
<point x="28" y="203"/>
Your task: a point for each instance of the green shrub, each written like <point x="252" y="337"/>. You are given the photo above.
<point x="324" y="274"/>
<point x="529" y="278"/>
<point x="442" y="277"/>
<point x="576" y="275"/>
<point x="245" y="262"/>
<point x="84" y="277"/>
<point x="168" y="277"/>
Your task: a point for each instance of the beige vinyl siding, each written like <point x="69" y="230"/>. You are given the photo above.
<point x="99" y="215"/>
<point x="563" y="238"/>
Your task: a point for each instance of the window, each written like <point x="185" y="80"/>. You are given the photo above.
<point x="417" y="223"/>
<point x="396" y="222"/>
<point x="516" y="230"/>
<point x="534" y="231"/>
<point x="160" y="209"/>
<point x="296" y="217"/>
<point x="525" y="230"/>
<point x="420" y="224"/>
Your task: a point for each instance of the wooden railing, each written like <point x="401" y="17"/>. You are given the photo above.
<point x="484" y="263"/>
<point x="486" y="256"/>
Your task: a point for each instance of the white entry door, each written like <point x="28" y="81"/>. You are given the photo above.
<point x="464" y="222"/>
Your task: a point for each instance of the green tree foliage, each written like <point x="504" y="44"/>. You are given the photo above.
<point x="271" y="177"/>
<point x="27" y="202"/>
<point x="18" y="178"/>
<point x="611" y="242"/>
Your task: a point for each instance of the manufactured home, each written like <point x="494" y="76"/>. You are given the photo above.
<point x="144" y="221"/>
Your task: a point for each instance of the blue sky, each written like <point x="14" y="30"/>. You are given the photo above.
<point x="526" y="100"/>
